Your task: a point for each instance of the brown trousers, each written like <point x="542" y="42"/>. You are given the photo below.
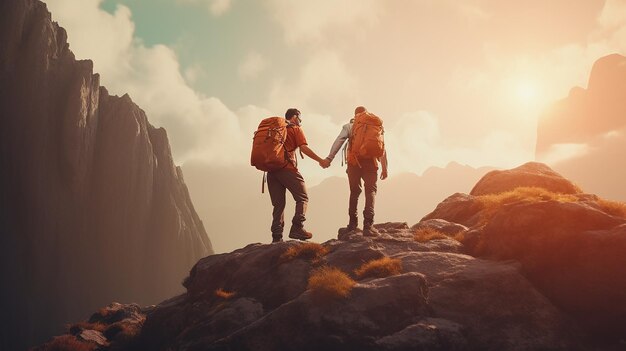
<point x="277" y="184"/>
<point x="368" y="172"/>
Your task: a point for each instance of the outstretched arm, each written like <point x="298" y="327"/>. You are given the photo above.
<point x="341" y="138"/>
<point x="307" y="151"/>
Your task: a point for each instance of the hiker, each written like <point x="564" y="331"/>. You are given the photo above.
<point x="285" y="175"/>
<point x="362" y="164"/>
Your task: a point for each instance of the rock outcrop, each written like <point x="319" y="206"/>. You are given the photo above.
<point x="570" y="246"/>
<point x="532" y="174"/>
<point x="92" y="207"/>
<point x="441" y="300"/>
<point x="526" y="269"/>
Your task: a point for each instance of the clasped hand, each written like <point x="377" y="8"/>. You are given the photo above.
<point x="325" y="163"/>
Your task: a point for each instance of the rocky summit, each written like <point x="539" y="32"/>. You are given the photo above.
<point x="524" y="268"/>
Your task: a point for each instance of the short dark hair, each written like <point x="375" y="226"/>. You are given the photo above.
<point x="292" y="112"/>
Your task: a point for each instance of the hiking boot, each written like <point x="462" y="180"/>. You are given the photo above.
<point x="369" y="230"/>
<point x="300" y="234"/>
<point x="277" y="237"/>
<point x="352" y="226"/>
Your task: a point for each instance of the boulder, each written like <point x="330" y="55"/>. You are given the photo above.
<point x="569" y="247"/>
<point x="93" y="336"/>
<point x="572" y="252"/>
<point x="113" y="327"/>
<point x="461" y="209"/>
<point x="427" y="334"/>
<point x="531" y="174"/>
<point x="257" y="271"/>
<point x="306" y="324"/>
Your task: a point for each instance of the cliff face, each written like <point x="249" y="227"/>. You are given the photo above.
<point x="92" y="207"/>
<point x="589" y="113"/>
<point x="594" y="119"/>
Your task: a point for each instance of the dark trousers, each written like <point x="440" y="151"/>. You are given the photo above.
<point x="277" y="184"/>
<point x="369" y="175"/>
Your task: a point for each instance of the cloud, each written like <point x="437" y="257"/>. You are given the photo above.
<point x="563" y="152"/>
<point x="198" y="126"/>
<point x="612" y="20"/>
<point x="252" y="65"/>
<point x="96" y="33"/>
<point x="193" y="73"/>
<point x="330" y="82"/>
<point x="471" y="12"/>
<point x="596" y="169"/>
<point x="219" y="7"/>
<point x="215" y="7"/>
<point x="312" y="21"/>
<point x="324" y="83"/>
<point x="613" y="14"/>
<point x="415" y="143"/>
<point x="201" y="128"/>
<point x="553" y="72"/>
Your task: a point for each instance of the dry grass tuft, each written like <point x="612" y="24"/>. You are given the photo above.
<point x="614" y="208"/>
<point x="67" y="343"/>
<point x="426" y="234"/>
<point x="221" y="293"/>
<point x="307" y="251"/>
<point x="492" y="202"/>
<point x="529" y="194"/>
<point x="380" y="268"/>
<point x="460" y="236"/>
<point x="328" y="283"/>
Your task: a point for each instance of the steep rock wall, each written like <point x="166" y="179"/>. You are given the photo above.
<point x="92" y="207"/>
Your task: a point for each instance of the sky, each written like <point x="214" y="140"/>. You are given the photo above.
<point x="461" y="81"/>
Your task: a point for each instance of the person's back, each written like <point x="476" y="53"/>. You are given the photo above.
<point x="362" y="165"/>
<point x="289" y="178"/>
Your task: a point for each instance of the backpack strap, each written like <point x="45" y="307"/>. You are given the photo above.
<point x="350" y="144"/>
<point x="263" y="183"/>
<point x="291" y="125"/>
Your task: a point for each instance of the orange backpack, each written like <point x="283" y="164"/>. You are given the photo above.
<point x="366" y="138"/>
<point x="268" y="145"/>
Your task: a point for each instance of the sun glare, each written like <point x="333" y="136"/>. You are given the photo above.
<point x="526" y="92"/>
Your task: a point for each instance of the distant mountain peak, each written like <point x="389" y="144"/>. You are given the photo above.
<point x="586" y="113"/>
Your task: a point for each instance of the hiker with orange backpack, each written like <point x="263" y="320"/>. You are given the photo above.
<point x="365" y="148"/>
<point x="274" y="151"/>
